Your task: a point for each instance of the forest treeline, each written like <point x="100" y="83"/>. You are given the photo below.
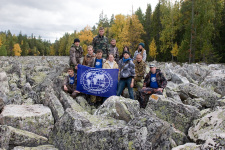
<point x="184" y="31"/>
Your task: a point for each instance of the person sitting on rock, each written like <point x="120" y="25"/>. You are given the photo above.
<point x="70" y="83"/>
<point x="140" y="68"/>
<point x="127" y="73"/>
<point x="76" y="52"/>
<point x="89" y="59"/>
<point x="154" y="83"/>
<point x="141" y="51"/>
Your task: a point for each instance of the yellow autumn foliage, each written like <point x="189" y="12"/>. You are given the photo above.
<point x="175" y="50"/>
<point x="17" y="50"/>
<point x="152" y="49"/>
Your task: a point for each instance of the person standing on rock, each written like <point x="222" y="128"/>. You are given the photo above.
<point x="127" y="73"/>
<point x="98" y="63"/>
<point x="101" y="42"/>
<point x="141" y="51"/>
<point x="154" y="83"/>
<point x="76" y="52"/>
<point x="114" y="50"/>
<point x="140" y="68"/>
<point x="70" y="83"/>
<point x="89" y="59"/>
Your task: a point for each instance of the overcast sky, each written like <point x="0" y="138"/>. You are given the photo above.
<point x="52" y="18"/>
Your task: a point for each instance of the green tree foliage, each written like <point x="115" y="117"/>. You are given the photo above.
<point x="189" y="30"/>
<point x="140" y="15"/>
<point x="148" y="26"/>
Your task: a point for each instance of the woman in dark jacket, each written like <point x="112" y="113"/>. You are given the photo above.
<point x="126" y="49"/>
<point x="127" y="73"/>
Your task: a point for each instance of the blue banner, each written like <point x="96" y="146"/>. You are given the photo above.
<point x="98" y="82"/>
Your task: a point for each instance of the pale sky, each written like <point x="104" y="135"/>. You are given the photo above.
<point x="51" y="19"/>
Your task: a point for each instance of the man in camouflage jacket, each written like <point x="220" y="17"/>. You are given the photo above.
<point x="101" y="42"/>
<point x="140" y="68"/>
<point x="154" y="83"/>
<point x="76" y="52"/>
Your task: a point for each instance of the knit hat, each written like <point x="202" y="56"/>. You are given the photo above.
<point x="142" y="44"/>
<point x="76" y="40"/>
<point x="126" y="52"/>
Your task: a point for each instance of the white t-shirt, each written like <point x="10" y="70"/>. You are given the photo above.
<point x="111" y="64"/>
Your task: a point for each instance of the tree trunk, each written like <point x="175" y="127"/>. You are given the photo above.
<point x="192" y="24"/>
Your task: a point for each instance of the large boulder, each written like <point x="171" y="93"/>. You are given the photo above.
<point x="194" y="91"/>
<point x="209" y="130"/>
<point x="176" y="113"/>
<point x="108" y="130"/>
<point x="53" y="103"/>
<point x="84" y="104"/>
<point x="19" y="137"/>
<point x="34" y="118"/>
<point x="4" y="87"/>
<point x="119" y="108"/>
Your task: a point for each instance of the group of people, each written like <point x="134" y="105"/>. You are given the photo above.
<point x="131" y="69"/>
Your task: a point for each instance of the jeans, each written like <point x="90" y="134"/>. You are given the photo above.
<point x="123" y="83"/>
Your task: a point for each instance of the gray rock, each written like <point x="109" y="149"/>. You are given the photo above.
<point x="26" y="89"/>
<point x="197" y="102"/>
<point x="68" y="102"/>
<point x="4" y="137"/>
<point x="220" y="102"/>
<point x="178" y="114"/>
<point x="4" y="87"/>
<point x="104" y="132"/>
<point x="84" y="104"/>
<point x="194" y="91"/>
<point x="119" y="108"/>
<point x="42" y="147"/>
<point x="178" y="79"/>
<point x="21" y="137"/>
<point x="53" y="103"/>
<point x="209" y="130"/>
<point x="34" y="118"/>
<point x="188" y="146"/>
<point x="179" y="137"/>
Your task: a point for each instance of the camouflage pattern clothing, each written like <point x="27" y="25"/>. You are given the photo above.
<point x="114" y="50"/>
<point x="101" y="42"/>
<point x="75" y="55"/>
<point x="89" y="60"/>
<point x="147" y="91"/>
<point x="140" y="68"/>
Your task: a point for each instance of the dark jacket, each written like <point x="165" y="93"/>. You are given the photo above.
<point x="66" y="82"/>
<point x="127" y="69"/>
<point x="75" y="55"/>
<point x="161" y="80"/>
